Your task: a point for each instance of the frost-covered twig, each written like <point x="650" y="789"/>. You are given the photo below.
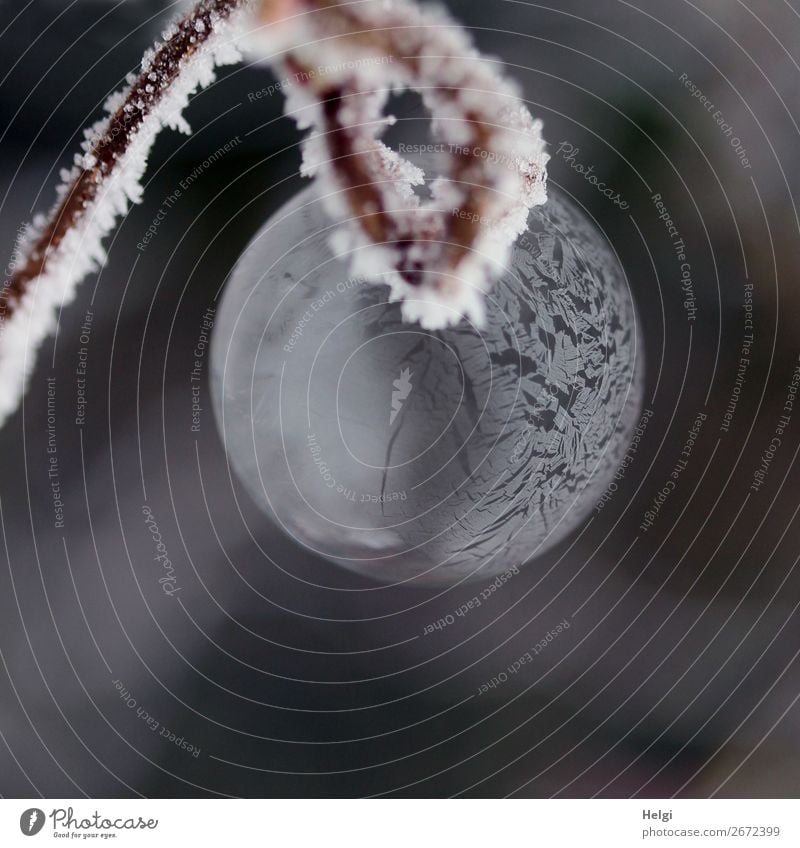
<point x="59" y="250"/>
<point x="439" y="256"/>
<point x="444" y="251"/>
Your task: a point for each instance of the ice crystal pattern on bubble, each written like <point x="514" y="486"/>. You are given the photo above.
<point x="512" y="431"/>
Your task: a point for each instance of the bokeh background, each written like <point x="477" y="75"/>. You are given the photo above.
<point x="277" y="674"/>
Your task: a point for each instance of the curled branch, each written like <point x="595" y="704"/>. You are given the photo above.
<point x="438" y="255"/>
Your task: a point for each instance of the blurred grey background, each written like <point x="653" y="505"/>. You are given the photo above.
<point x="679" y="673"/>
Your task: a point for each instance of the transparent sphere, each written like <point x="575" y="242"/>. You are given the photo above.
<point x="432" y="456"/>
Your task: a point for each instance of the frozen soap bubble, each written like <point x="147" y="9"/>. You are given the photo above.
<point x="437" y="456"/>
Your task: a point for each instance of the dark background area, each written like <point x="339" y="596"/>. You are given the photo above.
<point x="680" y="671"/>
